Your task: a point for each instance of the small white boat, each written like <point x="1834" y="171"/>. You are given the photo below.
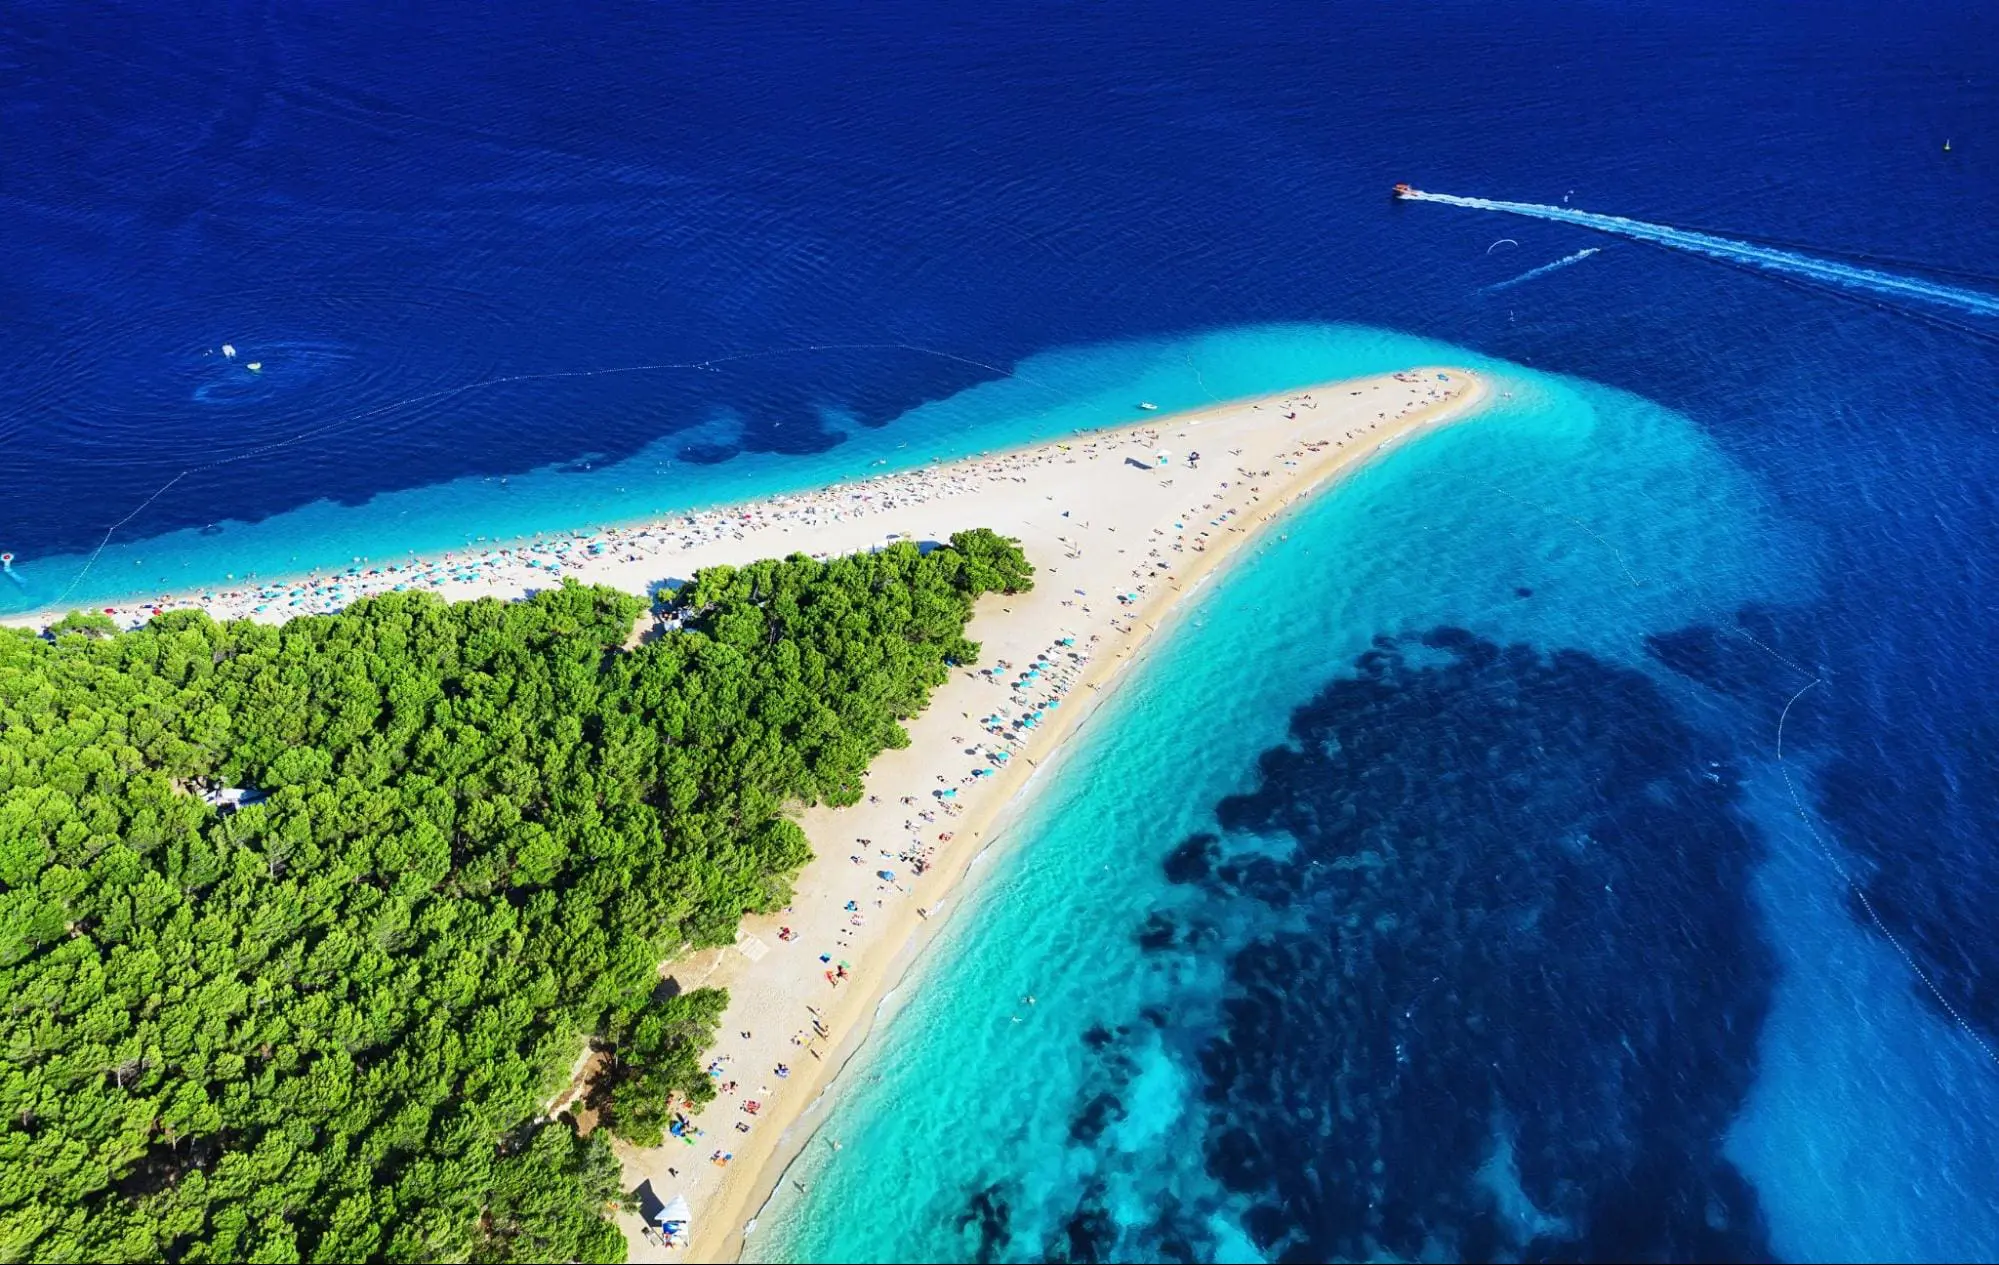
<point x="1148" y="406"/>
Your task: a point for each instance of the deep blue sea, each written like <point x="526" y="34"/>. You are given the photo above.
<point x="1574" y="841"/>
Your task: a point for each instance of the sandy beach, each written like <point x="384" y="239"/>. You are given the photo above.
<point x="1120" y="523"/>
<point x="1118" y="539"/>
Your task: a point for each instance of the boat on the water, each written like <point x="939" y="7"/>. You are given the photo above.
<point x="1148" y="406"/>
<point x="1401" y="191"/>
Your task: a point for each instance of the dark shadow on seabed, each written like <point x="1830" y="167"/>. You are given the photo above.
<point x="1518" y="894"/>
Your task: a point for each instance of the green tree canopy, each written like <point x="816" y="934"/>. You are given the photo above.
<point x="322" y="1026"/>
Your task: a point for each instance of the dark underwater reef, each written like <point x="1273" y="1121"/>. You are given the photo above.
<point x="1500" y="1001"/>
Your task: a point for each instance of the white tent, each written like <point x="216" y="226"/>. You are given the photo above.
<point x="676" y="1211"/>
<point x="230" y="798"/>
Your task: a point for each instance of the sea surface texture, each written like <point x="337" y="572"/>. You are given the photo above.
<point x="1573" y="839"/>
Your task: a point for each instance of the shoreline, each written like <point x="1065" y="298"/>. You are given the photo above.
<point x="1124" y="527"/>
<point x="499" y="565"/>
<point x="790" y="1117"/>
<point x="800" y="1132"/>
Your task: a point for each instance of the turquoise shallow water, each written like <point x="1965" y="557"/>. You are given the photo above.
<point x="1828" y="1110"/>
<point x="1048" y="395"/>
<point x="1676" y="1034"/>
<point x="1096" y="1122"/>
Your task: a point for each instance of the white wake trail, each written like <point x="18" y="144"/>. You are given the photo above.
<point x="1770" y="259"/>
<point x="1545" y="269"/>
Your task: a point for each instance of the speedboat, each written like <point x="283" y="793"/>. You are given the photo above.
<point x="1401" y="191"/>
<point x="1148" y="406"/>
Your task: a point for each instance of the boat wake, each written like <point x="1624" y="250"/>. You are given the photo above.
<point x="1545" y="269"/>
<point x="1787" y="263"/>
